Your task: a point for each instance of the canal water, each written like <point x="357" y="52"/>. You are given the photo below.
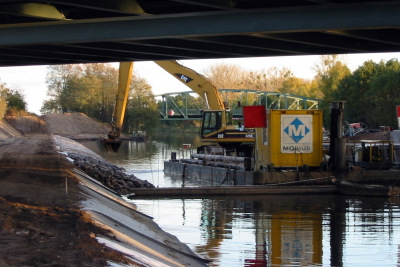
<point x="299" y="230"/>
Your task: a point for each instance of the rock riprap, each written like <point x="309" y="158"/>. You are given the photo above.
<point x="108" y="174"/>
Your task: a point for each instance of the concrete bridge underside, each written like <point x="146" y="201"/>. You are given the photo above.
<point x="36" y="32"/>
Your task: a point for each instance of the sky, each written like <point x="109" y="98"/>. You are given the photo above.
<point x="31" y="80"/>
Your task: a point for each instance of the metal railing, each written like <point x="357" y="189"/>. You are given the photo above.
<point x="187" y="105"/>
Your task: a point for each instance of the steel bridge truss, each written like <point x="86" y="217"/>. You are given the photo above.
<point x="186" y="106"/>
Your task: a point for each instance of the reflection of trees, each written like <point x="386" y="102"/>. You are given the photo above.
<point x="286" y="222"/>
<point x="361" y="217"/>
<point x="216" y="216"/>
<point x="128" y="150"/>
<point x="177" y="139"/>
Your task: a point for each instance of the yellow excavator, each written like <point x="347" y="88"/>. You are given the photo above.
<point x="113" y="142"/>
<point x="217" y="123"/>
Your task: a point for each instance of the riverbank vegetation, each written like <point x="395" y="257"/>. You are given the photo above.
<point x="12" y="102"/>
<point x="91" y="89"/>
<point x="371" y="92"/>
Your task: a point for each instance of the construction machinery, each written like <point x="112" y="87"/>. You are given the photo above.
<point x="113" y="142"/>
<point x="275" y="138"/>
<point x="285" y="138"/>
<point x="217" y="123"/>
<point x="217" y="126"/>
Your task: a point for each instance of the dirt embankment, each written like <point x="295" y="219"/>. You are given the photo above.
<point x="42" y="222"/>
<point x="71" y="125"/>
<point x="7" y="131"/>
<point x="75" y="126"/>
<point x="47" y="235"/>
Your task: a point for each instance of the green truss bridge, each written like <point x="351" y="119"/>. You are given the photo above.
<point x="188" y="105"/>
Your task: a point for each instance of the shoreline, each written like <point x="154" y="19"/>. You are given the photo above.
<point x="53" y="213"/>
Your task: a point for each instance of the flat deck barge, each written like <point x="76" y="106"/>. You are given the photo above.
<point x="184" y="192"/>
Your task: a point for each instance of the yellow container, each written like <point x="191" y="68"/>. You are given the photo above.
<point x="294" y="138"/>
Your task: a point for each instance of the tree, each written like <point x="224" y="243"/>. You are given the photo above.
<point x="297" y="86"/>
<point x="225" y="76"/>
<point x="142" y="112"/>
<point x="271" y="80"/>
<point x="3" y="103"/>
<point x="101" y="102"/>
<point x="16" y="100"/>
<point x="87" y="88"/>
<point x="91" y="89"/>
<point x="386" y="88"/>
<point x="58" y="80"/>
<point x="11" y="100"/>
<point x="330" y="71"/>
<point x="230" y="76"/>
<point x="372" y="92"/>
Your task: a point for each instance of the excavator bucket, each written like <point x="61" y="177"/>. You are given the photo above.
<point x="112" y="145"/>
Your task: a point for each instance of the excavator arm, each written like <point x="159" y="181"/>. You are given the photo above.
<point x="217" y="125"/>
<point x="124" y="79"/>
<point x="195" y="81"/>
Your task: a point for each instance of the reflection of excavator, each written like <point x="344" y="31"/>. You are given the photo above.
<point x="217" y="124"/>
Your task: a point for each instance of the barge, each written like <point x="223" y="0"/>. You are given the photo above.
<point x="295" y="156"/>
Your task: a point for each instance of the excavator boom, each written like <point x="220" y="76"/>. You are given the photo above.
<point x="195" y="81"/>
<point x="217" y="124"/>
<point x="124" y="79"/>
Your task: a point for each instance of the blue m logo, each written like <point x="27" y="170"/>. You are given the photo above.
<point x="296" y="130"/>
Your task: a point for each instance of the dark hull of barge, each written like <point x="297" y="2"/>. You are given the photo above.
<point x="215" y="181"/>
<point x="201" y="175"/>
<point x="366" y="190"/>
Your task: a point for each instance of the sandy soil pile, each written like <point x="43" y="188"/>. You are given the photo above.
<point x="27" y="124"/>
<point x="75" y="126"/>
<point x="72" y="125"/>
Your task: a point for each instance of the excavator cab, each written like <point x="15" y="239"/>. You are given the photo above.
<point x="215" y="120"/>
<point x="211" y="123"/>
<point x="228" y="117"/>
<point x="219" y="127"/>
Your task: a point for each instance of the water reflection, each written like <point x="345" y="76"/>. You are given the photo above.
<point x="311" y="230"/>
<point x="284" y="230"/>
<point x="279" y="230"/>
<point x="146" y="159"/>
